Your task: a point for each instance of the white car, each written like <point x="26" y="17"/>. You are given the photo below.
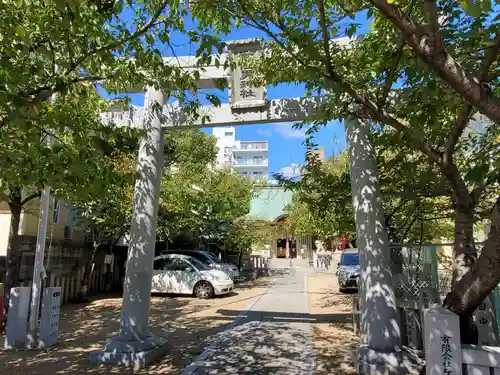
<point x="209" y="259"/>
<point x="182" y="274"/>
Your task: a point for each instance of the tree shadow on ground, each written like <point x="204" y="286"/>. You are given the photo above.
<point x="187" y="322"/>
<point x="274" y="342"/>
<point x="334" y="346"/>
<point x="334" y="339"/>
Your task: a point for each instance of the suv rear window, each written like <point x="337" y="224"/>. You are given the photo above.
<point x="349" y="259"/>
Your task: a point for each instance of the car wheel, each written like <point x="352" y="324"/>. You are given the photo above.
<point x="341" y="288"/>
<point x="203" y="290"/>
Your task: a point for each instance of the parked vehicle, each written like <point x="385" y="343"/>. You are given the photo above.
<point x="348" y="270"/>
<point x="181" y="274"/>
<point x="210" y="260"/>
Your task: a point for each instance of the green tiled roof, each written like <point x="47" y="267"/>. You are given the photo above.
<point x="268" y="202"/>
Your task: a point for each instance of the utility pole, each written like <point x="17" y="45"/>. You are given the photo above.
<point x="38" y="267"/>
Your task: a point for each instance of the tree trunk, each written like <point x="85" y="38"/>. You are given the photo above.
<point x="465" y="253"/>
<point x="464" y="257"/>
<point x="84" y="285"/>
<point x="484" y="275"/>
<point x="240" y="258"/>
<point x="13" y="253"/>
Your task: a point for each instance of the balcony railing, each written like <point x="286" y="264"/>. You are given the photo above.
<point x="256" y="177"/>
<point x="256" y="146"/>
<point x="259" y="162"/>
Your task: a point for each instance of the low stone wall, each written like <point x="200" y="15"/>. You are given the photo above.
<point x="480" y="360"/>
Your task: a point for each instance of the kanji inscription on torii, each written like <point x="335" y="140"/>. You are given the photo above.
<point x="242" y="93"/>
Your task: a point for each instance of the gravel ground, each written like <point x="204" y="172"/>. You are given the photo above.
<point x="334" y="340"/>
<point x="190" y="324"/>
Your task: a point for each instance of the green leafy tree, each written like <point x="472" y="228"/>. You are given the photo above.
<point x="49" y="155"/>
<point x="246" y="233"/>
<point x="52" y="54"/>
<point x="322" y="200"/>
<point x="202" y="204"/>
<point x="421" y="91"/>
<point x="50" y="47"/>
<point x="107" y="213"/>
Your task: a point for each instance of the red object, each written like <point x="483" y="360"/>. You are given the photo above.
<point x="343" y="242"/>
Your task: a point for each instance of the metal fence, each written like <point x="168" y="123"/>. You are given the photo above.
<point x="414" y="268"/>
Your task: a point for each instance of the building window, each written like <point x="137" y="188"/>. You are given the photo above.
<point x="258" y="160"/>
<point x="228" y="134"/>
<point x="55" y="214"/>
<point x="244" y="173"/>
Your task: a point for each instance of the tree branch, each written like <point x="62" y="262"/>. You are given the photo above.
<point x="479" y="189"/>
<point x="457" y="131"/>
<point x="466" y="114"/>
<point x="396" y="209"/>
<point x="409" y="227"/>
<point x="118" y="43"/>
<point x="376" y="112"/>
<point x="121" y="234"/>
<point x="430" y="49"/>
<point x="31" y="197"/>
<point x="325" y="36"/>
<point x="43" y="94"/>
<point x="431" y="18"/>
<point x="490" y="56"/>
<point x="391" y="76"/>
<point x="451" y="172"/>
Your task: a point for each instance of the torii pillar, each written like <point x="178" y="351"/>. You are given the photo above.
<point x="380" y="351"/>
<point x="135" y="346"/>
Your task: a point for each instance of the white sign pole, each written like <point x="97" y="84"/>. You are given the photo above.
<point x="38" y="267"/>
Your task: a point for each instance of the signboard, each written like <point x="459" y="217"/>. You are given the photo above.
<point x="242" y="92"/>
<point x="49" y="322"/>
<point x="17" y="324"/>
<point x="487" y="329"/>
<point x="443" y="350"/>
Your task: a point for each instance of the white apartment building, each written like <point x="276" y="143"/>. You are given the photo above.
<point x="248" y="158"/>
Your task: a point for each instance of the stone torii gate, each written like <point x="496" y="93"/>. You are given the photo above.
<point x="135" y="345"/>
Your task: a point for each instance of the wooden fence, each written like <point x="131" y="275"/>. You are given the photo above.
<point x="70" y="284"/>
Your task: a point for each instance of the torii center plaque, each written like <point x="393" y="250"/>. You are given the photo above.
<point x="242" y="93"/>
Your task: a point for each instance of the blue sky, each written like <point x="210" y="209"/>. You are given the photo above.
<point x="285" y="143"/>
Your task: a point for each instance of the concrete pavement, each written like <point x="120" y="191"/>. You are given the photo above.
<point x="273" y="337"/>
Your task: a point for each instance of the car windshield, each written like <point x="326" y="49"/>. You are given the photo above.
<point x="199" y="265"/>
<point x="350" y="259"/>
<point x="213" y="257"/>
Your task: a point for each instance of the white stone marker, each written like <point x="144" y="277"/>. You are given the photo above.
<point x="49" y="321"/>
<point x="443" y="350"/>
<point x="485" y="319"/>
<point x="19" y="304"/>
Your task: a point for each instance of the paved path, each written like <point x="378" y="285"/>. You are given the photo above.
<point x="273" y="337"/>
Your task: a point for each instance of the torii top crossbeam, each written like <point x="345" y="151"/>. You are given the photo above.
<point x="247" y="103"/>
